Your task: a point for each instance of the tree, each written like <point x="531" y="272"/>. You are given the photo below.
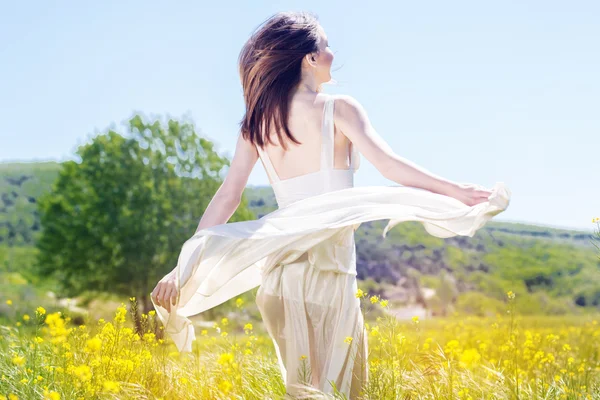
<point x="116" y="220"/>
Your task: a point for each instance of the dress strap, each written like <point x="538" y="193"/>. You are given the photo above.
<point x="354" y="157"/>
<point x="268" y="165"/>
<point x="327" y="143"/>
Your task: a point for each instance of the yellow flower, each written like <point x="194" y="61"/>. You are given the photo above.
<point x="224" y="321"/>
<point x="93" y="344"/>
<point x="83" y="372"/>
<point x="248" y="327"/>
<point x="469" y="357"/>
<point x="39" y="378"/>
<point x="239" y="302"/>
<point x="204" y="332"/>
<point x="223" y="334"/>
<point x="225" y="358"/>
<point x="375" y="331"/>
<point x="13" y="396"/>
<point x="225" y="386"/>
<point x="374" y="299"/>
<point x="452" y="345"/>
<point x="9" y="302"/>
<point x="18" y="323"/>
<point x="40" y="310"/>
<point x="383" y="303"/>
<point x="120" y="314"/>
<point x="360" y="293"/>
<point x="18" y="360"/>
<point x="38" y="339"/>
<point x="303" y="357"/>
<point x="510" y="295"/>
<point x="348" y="339"/>
<point x="152" y="313"/>
<point x="132" y="299"/>
<point x="51" y="395"/>
<point x="111" y="386"/>
<point x="149" y="337"/>
<point x="415" y="319"/>
<point x="26" y="317"/>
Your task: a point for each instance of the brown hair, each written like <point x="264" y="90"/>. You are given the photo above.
<point x="270" y="68"/>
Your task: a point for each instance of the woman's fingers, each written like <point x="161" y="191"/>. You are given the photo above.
<point x="484" y="193"/>
<point x="164" y="297"/>
<point x="167" y="298"/>
<point x="472" y="194"/>
<point x="165" y="293"/>
<point x="174" y="296"/>
<point x="159" y="292"/>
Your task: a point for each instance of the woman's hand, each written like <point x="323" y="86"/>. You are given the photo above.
<point x="165" y="293"/>
<point x="470" y="193"/>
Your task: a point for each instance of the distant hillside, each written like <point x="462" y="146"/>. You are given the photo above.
<point x="552" y="270"/>
<point x="20" y="186"/>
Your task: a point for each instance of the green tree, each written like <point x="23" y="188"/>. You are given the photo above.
<point x="116" y="220"/>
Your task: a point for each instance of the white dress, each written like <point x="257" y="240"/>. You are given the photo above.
<point x="303" y="256"/>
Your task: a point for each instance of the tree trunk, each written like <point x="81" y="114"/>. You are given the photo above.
<point x="146" y="303"/>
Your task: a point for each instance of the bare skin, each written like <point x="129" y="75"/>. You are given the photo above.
<point x="352" y="125"/>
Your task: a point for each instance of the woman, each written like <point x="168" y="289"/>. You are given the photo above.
<point x="303" y="254"/>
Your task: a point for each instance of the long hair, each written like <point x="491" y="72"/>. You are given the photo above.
<point x="270" y="66"/>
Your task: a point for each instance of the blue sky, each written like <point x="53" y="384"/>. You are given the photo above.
<point x="473" y="91"/>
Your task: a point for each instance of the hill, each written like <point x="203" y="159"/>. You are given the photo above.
<point x="553" y="270"/>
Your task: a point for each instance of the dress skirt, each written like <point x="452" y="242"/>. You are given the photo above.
<point x="309" y="309"/>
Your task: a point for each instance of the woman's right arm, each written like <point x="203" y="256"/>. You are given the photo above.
<point x="351" y="118"/>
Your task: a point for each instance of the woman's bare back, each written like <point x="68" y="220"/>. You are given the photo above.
<point x="306" y="124"/>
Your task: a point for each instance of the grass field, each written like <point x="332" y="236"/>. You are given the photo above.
<point x="44" y="355"/>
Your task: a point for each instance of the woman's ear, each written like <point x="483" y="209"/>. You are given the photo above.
<point x="311" y="59"/>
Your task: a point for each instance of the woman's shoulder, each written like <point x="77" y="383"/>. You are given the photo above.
<point x="346" y="107"/>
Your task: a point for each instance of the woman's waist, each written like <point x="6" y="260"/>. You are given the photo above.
<point x="336" y="253"/>
<point x="287" y="193"/>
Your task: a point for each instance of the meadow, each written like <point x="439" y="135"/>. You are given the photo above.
<point x="45" y="355"/>
<point x="515" y="307"/>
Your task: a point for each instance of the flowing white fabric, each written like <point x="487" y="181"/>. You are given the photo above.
<point x="303" y="257"/>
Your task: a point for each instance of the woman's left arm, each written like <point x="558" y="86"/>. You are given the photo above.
<point x="219" y="210"/>
<point x="227" y="199"/>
